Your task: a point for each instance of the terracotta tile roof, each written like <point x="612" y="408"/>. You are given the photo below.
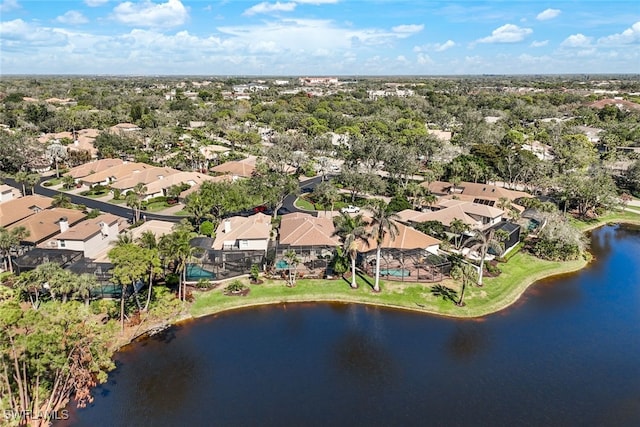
<point x="191" y="178"/>
<point x="93" y="167"/>
<point x="406" y="238"/>
<point x="475" y="190"/>
<point x="88" y="228"/>
<point x="143" y="176"/>
<point x="255" y="227"/>
<point x="196" y="187"/>
<point x="235" y="168"/>
<point x="472" y="208"/>
<point x="445" y="216"/>
<point x="302" y="229"/>
<point x="14" y="210"/>
<point x="115" y="172"/>
<point x="45" y="224"/>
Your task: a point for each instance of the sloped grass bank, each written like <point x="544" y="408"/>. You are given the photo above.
<point x="497" y="293"/>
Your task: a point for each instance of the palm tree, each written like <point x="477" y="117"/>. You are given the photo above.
<point x="135" y="204"/>
<point x="416" y="191"/>
<point x="177" y="246"/>
<point x="351" y="229"/>
<point x="482" y="243"/>
<point x="457" y="227"/>
<point x="61" y="200"/>
<point x="9" y="240"/>
<point x="86" y="282"/>
<point x="147" y="240"/>
<point x="21" y="177"/>
<point x="32" y="180"/>
<point x="381" y="224"/>
<point x="68" y="181"/>
<point x="467" y="273"/>
<point x="292" y="261"/>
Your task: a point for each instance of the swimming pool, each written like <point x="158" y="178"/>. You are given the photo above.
<point x="395" y="272"/>
<point x="195" y="272"/>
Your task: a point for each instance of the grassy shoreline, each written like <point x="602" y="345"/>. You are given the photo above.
<point x="498" y="293"/>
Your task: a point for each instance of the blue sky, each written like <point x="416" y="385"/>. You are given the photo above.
<point x="318" y="37"/>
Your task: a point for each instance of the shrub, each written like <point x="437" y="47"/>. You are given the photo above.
<point x="235" y="287"/>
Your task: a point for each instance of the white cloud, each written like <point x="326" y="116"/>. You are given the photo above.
<point x="435" y="47"/>
<point x="548" y="14"/>
<point x="408" y="29"/>
<point x="508" y="33"/>
<point x="72" y="17"/>
<point x="9" y="5"/>
<point x="628" y="36"/>
<point x="424" y="59"/>
<point x="266" y="7"/>
<point x="317" y="2"/>
<point x="537" y="43"/>
<point x="16" y="34"/>
<point x="577" y="40"/>
<point x="149" y="14"/>
<point x="95" y="3"/>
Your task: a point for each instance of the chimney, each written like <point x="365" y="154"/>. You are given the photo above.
<point x="64" y="224"/>
<point x="104" y="228"/>
<point x="227" y="226"/>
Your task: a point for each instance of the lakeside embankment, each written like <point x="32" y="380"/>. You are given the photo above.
<point x="498" y="293"/>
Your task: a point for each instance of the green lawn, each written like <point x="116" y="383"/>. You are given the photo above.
<point x="497" y="293"/>
<point x="302" y="203"/>
<point x="616" y="216"/>
<point x="157" y="206"/>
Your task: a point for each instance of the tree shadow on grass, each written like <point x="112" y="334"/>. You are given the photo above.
<point x="365" y="279"/>
<point x="445" y="293"/>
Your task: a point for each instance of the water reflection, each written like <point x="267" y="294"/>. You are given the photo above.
<point x="567" y="355"/>
<point x="468" y="340"/>
<point x="366" y="361"/>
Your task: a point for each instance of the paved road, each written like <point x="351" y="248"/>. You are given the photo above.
<point x="305" y="187"/>
<point x="90" y="203"/>
<point x="125" y="212"/>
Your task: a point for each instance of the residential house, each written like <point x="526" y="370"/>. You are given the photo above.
<point x="18" y="209"/>
<point x="488" y="194"/>
<point x="484" y="214"/>
<point x="159" y="187"/>
<point x="142" y="176"/>
<point x="45" y="224"/>
<point x="113" y="174"/>
<point x="444" y="216"/>
<point x="243" y="233"/>
<point x="7" y="193"/>
<point x="410" y="255"/>
<point x="93" y="167"/>
<point x="237" y="168"/>
<point x="240" y="243"/>
<point x="124" y="128"/>
<point x="312" y="239"/>
<point x="91" y="236"/>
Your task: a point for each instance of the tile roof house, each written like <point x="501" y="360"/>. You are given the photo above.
<point x="91" y="236"/>
<point x="7" y="193"/>
<point x="142" y="176"/>
<point x="237" y="168"/>
<point x="13" y="211"/>
<point x="407" y="238"/>
<point x="312" y="239"/>
<point x="444" y="216"/>
<point x="93" y="167"/>
<point x="302" y="229"/>
<point x="159" y="187"/>
<point x="47" y="223"/>
<point x="480" y="193"/>
<point x="113" y="174"/>
<point x="124" y="128"/>
<point x="243" y="233"/>
<point x="485" y="214"/>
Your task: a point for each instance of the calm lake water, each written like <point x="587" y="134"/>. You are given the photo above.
<point x="567" y="354"/>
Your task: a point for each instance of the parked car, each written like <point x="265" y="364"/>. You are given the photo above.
<point x="350" y="209"/>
